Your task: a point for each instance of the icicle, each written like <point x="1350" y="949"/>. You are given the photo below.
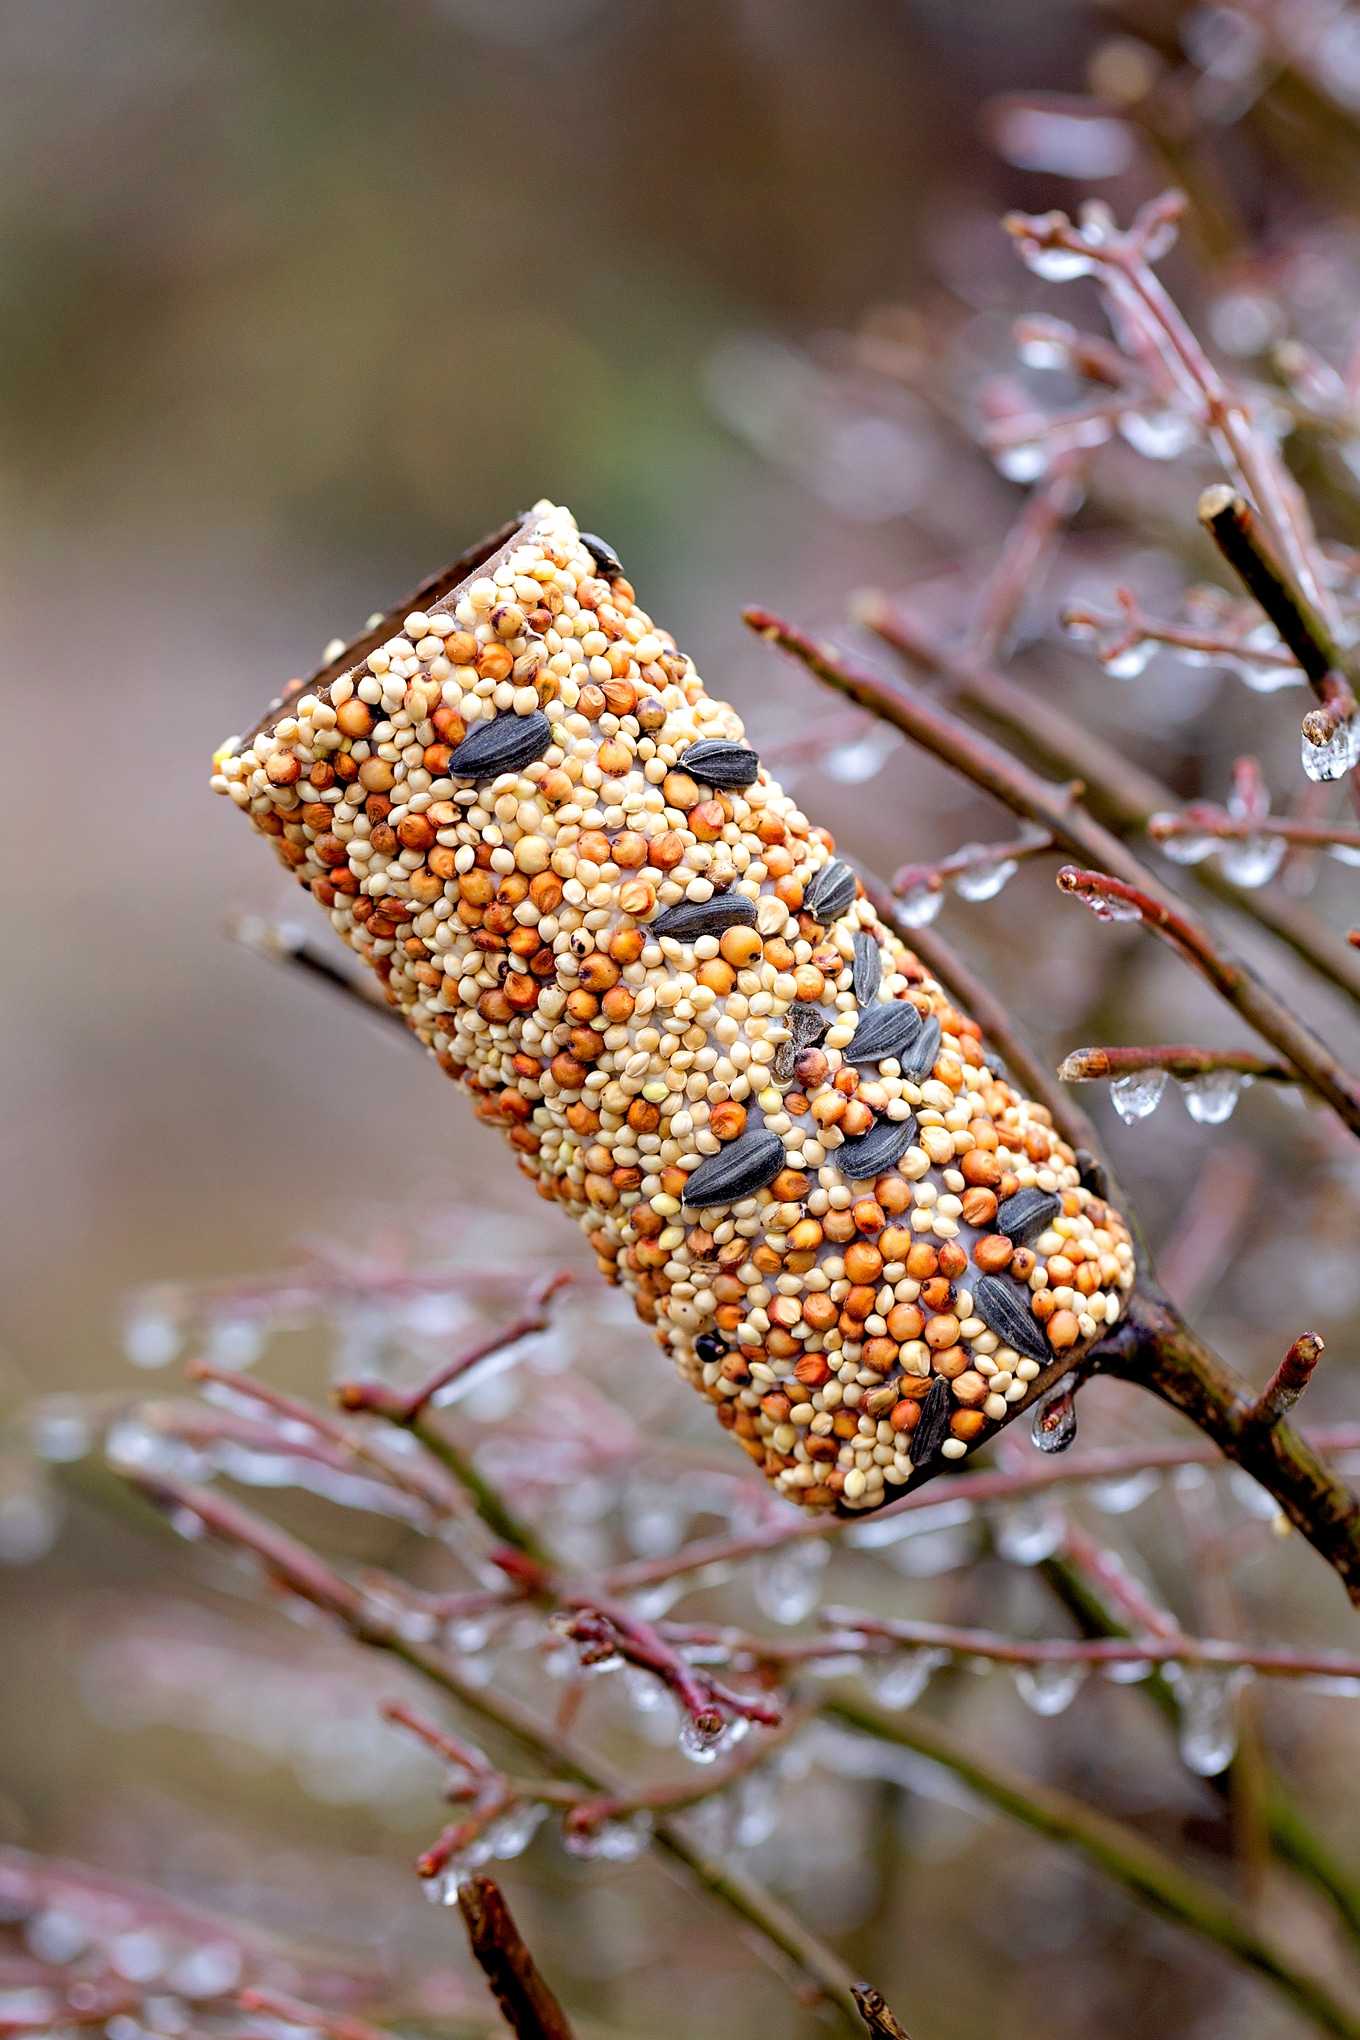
<point x="1211" y="1096"/>
<point x="1130" y="661"/>
<point x="1026" y="1533"/>
<point x="1137" y="1095"/>
<point x="1049" y="1688"/>
<point x="788" y="1584"/>
<point x="1157" y="435"/>
<point x="900" y="1680"/>
<point x="919" y="905"/>
<point x="511" y="1835"/>
<point x="617" y="1841"/>
<point x="984" y="881"/>
<point x="1119" y="1497"/>
<point x="1254" y="861"/>
<point x="1334" y="758"/>
<point x="1208" y="1703"/>
<point x="1055" y="1421"/>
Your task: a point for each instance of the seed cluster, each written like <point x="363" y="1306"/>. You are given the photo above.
<point x="621" y="937"/>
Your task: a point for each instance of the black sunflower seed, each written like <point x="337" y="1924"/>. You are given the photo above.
<point x="882" y="1147"/>
<point x="831" y="892"/>
<point x="919" y="1060"/>
<point x="507" y="744"/>
<point x="693" y="918"/>
<point x="868" y="968"/>
<point x="1030" y="1212"/>
<point x="708" y="1346"/>
<point x="932" y="1426"/>
<point x="721" y="764"/>
<point x="883" y="1032"/>
<point x="998" y="1304"/>
<point x="604" y="556"/>
<point x="807" y="1025"/>
<point x="743" y="1167"/>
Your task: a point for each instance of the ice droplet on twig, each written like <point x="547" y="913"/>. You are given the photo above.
<point x="1049" y="1688"/>
<point x="1054" y="1425"/>
<point x="1057" y="265"/>
<point x="1024" y="463"/>
<point x="1254" y="861"/>
<point x="1157" y="435"/>
<point x="1118" y="1497"/>
<point x="1208" y="1703"/>
<point x="919" y="905"/>
<point x="984" y="881"/>
<point x="151" y="1338"/>
<point x="1211" y="1096"/>
<point x="1138" y="1094"/>
<point x="863" y="759"/>
<point x="755" y="1810"/>
<point x="788" y="1584"/>
<point x="511" y="1835"/>
<point x="1333" y="759"/>
<point x="1188" y="849"/>
<point x="1130" y="660"/>
<point x="616" y="1841"/>
<point x="1026" y="1533"/>
<point x="900" y="1680"/>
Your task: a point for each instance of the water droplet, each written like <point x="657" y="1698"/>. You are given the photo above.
<point x="55" y="1936"/>
<point x="1254" y="861"/>
<point x="788" y="1584"/>
<point x="1119" y="1497"/>
<point x="1208" y="1704"/>
<point x="1211" y="1097"/>
<point x="900" y="1680"/>
<point x="1049" y="1688"/>
<point x="511" y="1835"/>
<point x="1250" y="1495"/>
<point x="30" y="1518"/>
<point x="1058" y="265"/>
<point x="1023" y="464"/>
<point x="206" y="1972"/>
<point x="1127" y="1671"/>
<point x="755" y="1810"/>
<point x="984" y="881"/>
<point x="852" y="764"/>
<point x="1345" y="853"/>
<point x="1188" y="849"/>
<point x="1338" y="1687"/>
<point x="1334" y="759"/>
<point x="235" y="1342"/>
<point x="1026" y="1533"/>
<point x="1138" y="1094"/>
<point x="151" y="1338"/>
<point x="1055" y="1421"/>
<point x="1130" y="661"/>
<point x="616" y="1841"/>
<point x="654" y="1518"/>
<point x="1157" y="435"/>
<point x="919" y="905"/>
<point x="59" y="1430"/>
<point x="698" y="1741"/>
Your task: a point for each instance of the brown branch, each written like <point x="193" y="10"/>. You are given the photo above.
<point x="528" y="2006"/>
<point x="1203" y="819"/>
<point x="1118" y="634"/>
<point x="1055" y="808"/>
<point x="1118" y="792"/>
<point x="877" y="2018"/>
<point x="1029" y="546"/>
<point x="1289" y="1380"/>
<point x="605" y="1627"/>
<point x="1087" y="1065"/>
<point x="1275" y="1661"/>
<point x="407" y="1406"/>
<point x="293" y="1566"/>
<point x="1236" y="531"/>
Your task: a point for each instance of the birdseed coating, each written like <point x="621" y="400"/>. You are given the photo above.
<point x="852" y="1331"/>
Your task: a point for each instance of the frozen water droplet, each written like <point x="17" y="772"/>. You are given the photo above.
<point x="235" y="1342"/>
<point x="1055" y="1421"/>
<point x="788" y="1584"/>
<point x="151" y="1338"/>
<point x="654" y="1518"/>
<point x="1254" y="861"/>
<point x="900" y="1680"/>
<point x="30" y="1518"/>
<point x="1338" y="1687"/>
<point x="1334" y="759"/>
<point x="755" y="1810"/>
<point x="1208" y="1703"/>
<point x="1058" y="265"/>
<point x="616" y="1841"/>
<point x="1188" y="849"/>
<point x="1023" y="464"/>
<point x="1026" y="1533"/>
<point x="206" y="1972"/>
<point x="1138" y="1094"/>
<point x="1127" y="1671"/>
<point x="919" y="905"/>
<point x="1255" y="1499"/>
<point x="1132" y="660"/>
<point x="1211" y="1097"/>
<point x="1157" y="435"/>
<point x="1345" y="853"/>
<point x="59" y="1430"/>
<point x="863" y="759"/>
<point x="1049" y="1688"/>
<point x="511" y="1835"/>
<point x="698" y="1742"/>
<point x="984" y="881"/>
<point x="1118" y="1497"/>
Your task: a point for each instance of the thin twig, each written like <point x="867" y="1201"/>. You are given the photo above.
<point x="876" y="2016"/>
<point x="407" y="1406"/>
<point x="529" y="2007"/>
<point x="1055" y="808"/>
<point x="1133" y="627"/>
<point x="934" y="877"/>
<point x="1236" y="531"/>
<point x="275" y="941"/>
<point x="1030" y="544"/>
<point x="1087" y="1065"/>
<point x="1140" y="1867"/>
<point x="1289" y="1380"/>
<point x="337" y="2026"/>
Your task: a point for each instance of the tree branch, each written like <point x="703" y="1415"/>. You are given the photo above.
<point x="1057" y="810"/>
<point x="407" y="1406"/>
<point x="1289" y="1380"/>
<point x="527" y="2004"/>
<point x="1088" y="1065"/>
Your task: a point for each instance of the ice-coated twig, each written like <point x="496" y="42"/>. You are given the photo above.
<point x="1118" y="791"/>
<point x="1202" y="818"/>
<point x="1132" y="627"/>
<point x="1164" y="1884"/>
<point x="1030" y="544"/>
<point x="293" y="2011"/>
<point x="292" y="1565"/>
<point x="1057" y="809"/>
<point x="604" y="1629"/>
<point x="1274" y="1661"/>
<point x="527" y="2004"/>
<point x="935" y="877"/>
<point x="408" y="1406"/>
<point x="1289" y="1380"/>
<point x="1086" y="1065"/>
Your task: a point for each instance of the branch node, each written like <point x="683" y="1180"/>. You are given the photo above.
<point x="1289" y="1380"/>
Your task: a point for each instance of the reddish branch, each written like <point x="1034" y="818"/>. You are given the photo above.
<point x="1029" y="546"/>
<point x="294" y="2012"/>
<point x="1057" y="810"/>
<point x="528" y="2006"/>
<point x="1133" y="627"/>
<point x="1086" y="1065"/>
<point x="407" y="1406"/>
<point x="934" y="877"/>
<point x="604" y="1628"/>
<point x="1289" y="1380"/>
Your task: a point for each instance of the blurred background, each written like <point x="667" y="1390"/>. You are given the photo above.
<point x="295" y="301"/>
